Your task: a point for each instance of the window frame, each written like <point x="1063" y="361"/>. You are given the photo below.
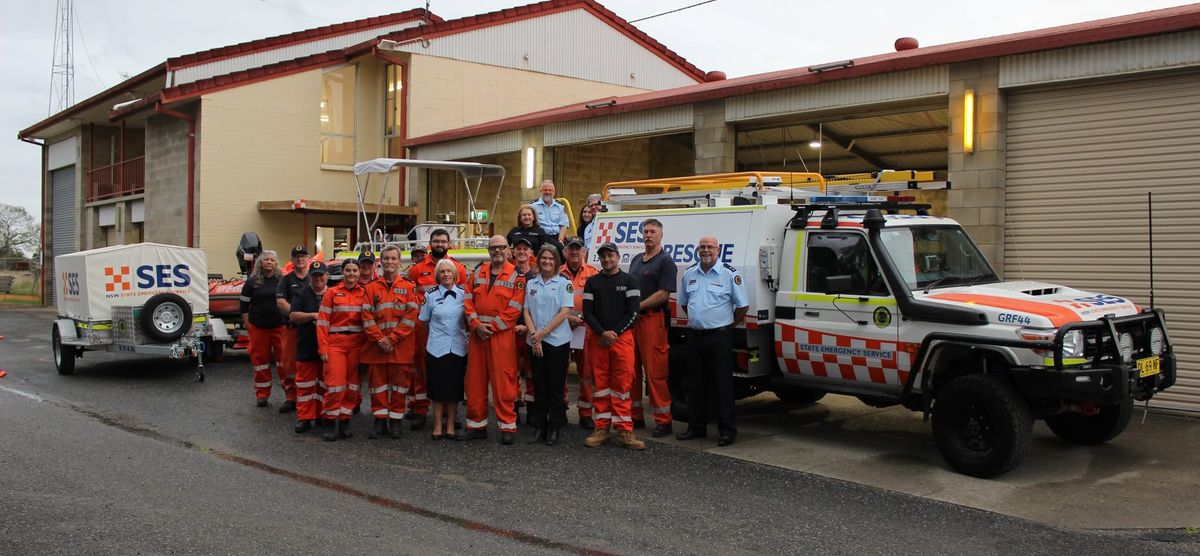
<point x="353" y="135"/>
<point x="813" y="235"/>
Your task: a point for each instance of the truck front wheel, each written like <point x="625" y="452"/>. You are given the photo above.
<point x="1107" y="424"/>
<point x="64" y="355"/>
<point x="981" y="425"/>
<point x="798" y="395"/>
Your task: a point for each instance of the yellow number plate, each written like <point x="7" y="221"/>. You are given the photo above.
<point x="1148" y="366"/>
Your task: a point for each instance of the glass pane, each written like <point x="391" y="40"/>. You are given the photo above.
<point x="392" y="100"/>
<point x="841" y="263"/>
<point x="337" y="150"/>
<point x="337" y="101"/>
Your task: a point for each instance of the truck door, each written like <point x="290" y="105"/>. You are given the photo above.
<point x="841" y="320"/>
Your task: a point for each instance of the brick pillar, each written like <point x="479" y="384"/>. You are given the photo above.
<point x="543" y="161"/>
<point x="715" y="139"/>
<point x="977" y="198"/>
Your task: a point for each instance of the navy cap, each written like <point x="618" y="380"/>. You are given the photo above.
<point x="522" y="239"/>
<point x="576" y="240"/>
<point x="419" y="249"/>
<point x="299" y="250"/>
<point x="318" y="267"/>
<point x="610" y="246"/>
<point x="366" y="258"/>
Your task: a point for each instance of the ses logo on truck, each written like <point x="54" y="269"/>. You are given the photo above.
<point x="156" y="277"/>
<point x="629" y="232"/>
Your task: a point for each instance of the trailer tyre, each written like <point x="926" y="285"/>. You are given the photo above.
<point x="64" y="355"/>
<point x="166" y="317"/>
<point x="1077" y="428"/>
<point x="981" y="425"/>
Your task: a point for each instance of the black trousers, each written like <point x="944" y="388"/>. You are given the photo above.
<point x="710" y="379"/>
<point x="549" y="379"/>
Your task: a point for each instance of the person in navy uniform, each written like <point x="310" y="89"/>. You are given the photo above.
<point x="714" y="299"/>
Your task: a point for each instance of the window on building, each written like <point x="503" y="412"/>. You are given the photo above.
<point x="392" y="109"/>
<point x="331" y="240"/>
<point x="337" y="116"/>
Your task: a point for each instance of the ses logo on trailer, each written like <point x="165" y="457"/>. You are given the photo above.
<point x="629" y="232"/>
<point x="119" y="279"/>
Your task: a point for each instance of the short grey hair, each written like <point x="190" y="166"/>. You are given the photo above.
<point x="446" y="263"/>
<point x="390" y="247"/>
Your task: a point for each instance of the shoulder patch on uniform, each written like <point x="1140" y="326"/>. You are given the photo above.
<point x="737" y="279"/>
<point x="570" y="288"/>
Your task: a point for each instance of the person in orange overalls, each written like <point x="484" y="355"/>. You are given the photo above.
<point x="340" y="341"/>
<point x="610" y="307"/>
<point x="494" y="303"/>
<point x="656" y="274"/>
<point x="422" y="273"/>
<point x="305" y="307"/>
<point x="295" y="277"/>
<point x="578" y="271"/>
<point x="265" y="325"/>
<point x="389" y="319"/>
<point x="366" y="275"/>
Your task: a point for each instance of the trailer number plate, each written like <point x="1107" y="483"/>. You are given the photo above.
<point x="1149" y="366"/>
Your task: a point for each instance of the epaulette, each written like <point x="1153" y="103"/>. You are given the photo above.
<point x="730" y="267"/>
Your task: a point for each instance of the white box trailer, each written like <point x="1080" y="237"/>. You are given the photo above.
<point x="142" y="298"/>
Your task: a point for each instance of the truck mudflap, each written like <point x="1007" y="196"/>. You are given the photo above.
<point x="1103" y="375"/>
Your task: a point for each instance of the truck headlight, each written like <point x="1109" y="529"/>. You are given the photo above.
<point x="1125" y="345"/>
<point x="1156" y="341"/>
<point x="1073" y="344"/>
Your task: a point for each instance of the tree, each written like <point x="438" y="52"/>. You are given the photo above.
<point x="19" y="234"/>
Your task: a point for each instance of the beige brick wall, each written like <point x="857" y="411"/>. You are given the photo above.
<point x="447" y="94"/>
<point x="977" y="197"/>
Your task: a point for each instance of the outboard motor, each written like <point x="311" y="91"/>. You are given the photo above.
<point x="248" y="248"/>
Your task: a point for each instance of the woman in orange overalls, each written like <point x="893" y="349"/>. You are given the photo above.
<point x="339" y="341"/>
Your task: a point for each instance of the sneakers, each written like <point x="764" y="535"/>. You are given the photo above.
<point x="586" y="423"/>
<point x="597" y="438"/>
<point x="628" y="440"/>
<point x="507" y="438"/>
<point x="472" y="434"/>
<point x="662" y="430"/>
<point x="288" y="407"/>
<point x="303" y="426"/>
<point x="261" y="402"/>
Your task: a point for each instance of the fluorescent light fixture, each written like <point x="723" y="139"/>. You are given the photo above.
<point x="528" y="168"/>
<point x="815" y="144"/>
<point x="969" y="121"/>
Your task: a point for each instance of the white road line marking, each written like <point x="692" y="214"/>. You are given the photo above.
<point x="33" y="397"/>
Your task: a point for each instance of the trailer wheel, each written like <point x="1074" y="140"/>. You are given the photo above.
<point x="64" y="355"/>
<point x="1077" y="428"/>
<point x="166" y="317"/>
<point x="982" y="427"/>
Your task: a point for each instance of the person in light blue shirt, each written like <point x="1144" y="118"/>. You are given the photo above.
<point x="714" y="299"/>
<point x="549" y="299"/>
<point x="551" y="215"/>
<point x="446" y="349"/>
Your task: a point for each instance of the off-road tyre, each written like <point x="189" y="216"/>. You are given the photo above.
<point x="981" y="425"/>
<point x="64" y="355"/>
<point x="166" y="317"/>
<point x="1086" y="430"/>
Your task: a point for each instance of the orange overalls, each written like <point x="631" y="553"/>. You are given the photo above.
<point x="340" y="340"/>
<point x="586" y="382"/>
<point x="389" y="311"/>
<point x="422" y="274"/>
<point x="498" y="303"/>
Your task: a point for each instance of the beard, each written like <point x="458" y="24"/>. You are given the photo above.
<point x="438" y="252"/>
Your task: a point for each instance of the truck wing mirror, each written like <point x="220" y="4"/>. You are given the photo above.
<point x="840" y="283"/>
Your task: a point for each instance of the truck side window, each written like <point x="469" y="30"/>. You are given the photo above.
<point x="841" y="263"/>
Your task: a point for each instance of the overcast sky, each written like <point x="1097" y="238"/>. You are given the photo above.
<point x="739" y="37"/>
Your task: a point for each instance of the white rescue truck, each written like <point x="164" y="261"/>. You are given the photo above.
<point x="143" y="298"/>
<point x="870" y="296"/>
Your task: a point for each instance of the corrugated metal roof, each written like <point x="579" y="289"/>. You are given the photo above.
<point x="1111" y="29"/>
<point x="1159" y="52"/>
<point x="874" y="89"/>
<point x="509" y="141"/>
<point x="666" y="120"/>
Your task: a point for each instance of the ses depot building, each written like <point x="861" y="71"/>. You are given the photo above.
<point x="262" y="136"/>
<point x="1051" y="140"/>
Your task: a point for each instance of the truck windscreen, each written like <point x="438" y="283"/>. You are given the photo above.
<point x="935" y="256"/>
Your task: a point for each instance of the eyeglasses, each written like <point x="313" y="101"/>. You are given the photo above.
<point x="496" y="247"/>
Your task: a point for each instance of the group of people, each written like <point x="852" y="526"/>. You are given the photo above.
<point x="437" y="333"/>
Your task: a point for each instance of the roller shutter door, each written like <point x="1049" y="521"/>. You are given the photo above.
<point x="1080" y="160"/>
<point x="63" y="220"/>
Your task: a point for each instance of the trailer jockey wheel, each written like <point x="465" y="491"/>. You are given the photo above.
<point x="166" y="317"/>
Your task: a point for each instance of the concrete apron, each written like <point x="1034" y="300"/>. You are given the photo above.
<point x="1147" y="478"/>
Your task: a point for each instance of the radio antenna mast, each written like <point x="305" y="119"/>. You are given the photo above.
<point x="62" y="61"/>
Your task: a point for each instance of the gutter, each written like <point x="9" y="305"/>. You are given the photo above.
<point x="191" y="166"/>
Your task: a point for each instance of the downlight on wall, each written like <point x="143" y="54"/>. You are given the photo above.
<point x="969" y="121"/>
<point x="527" y="169"/>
